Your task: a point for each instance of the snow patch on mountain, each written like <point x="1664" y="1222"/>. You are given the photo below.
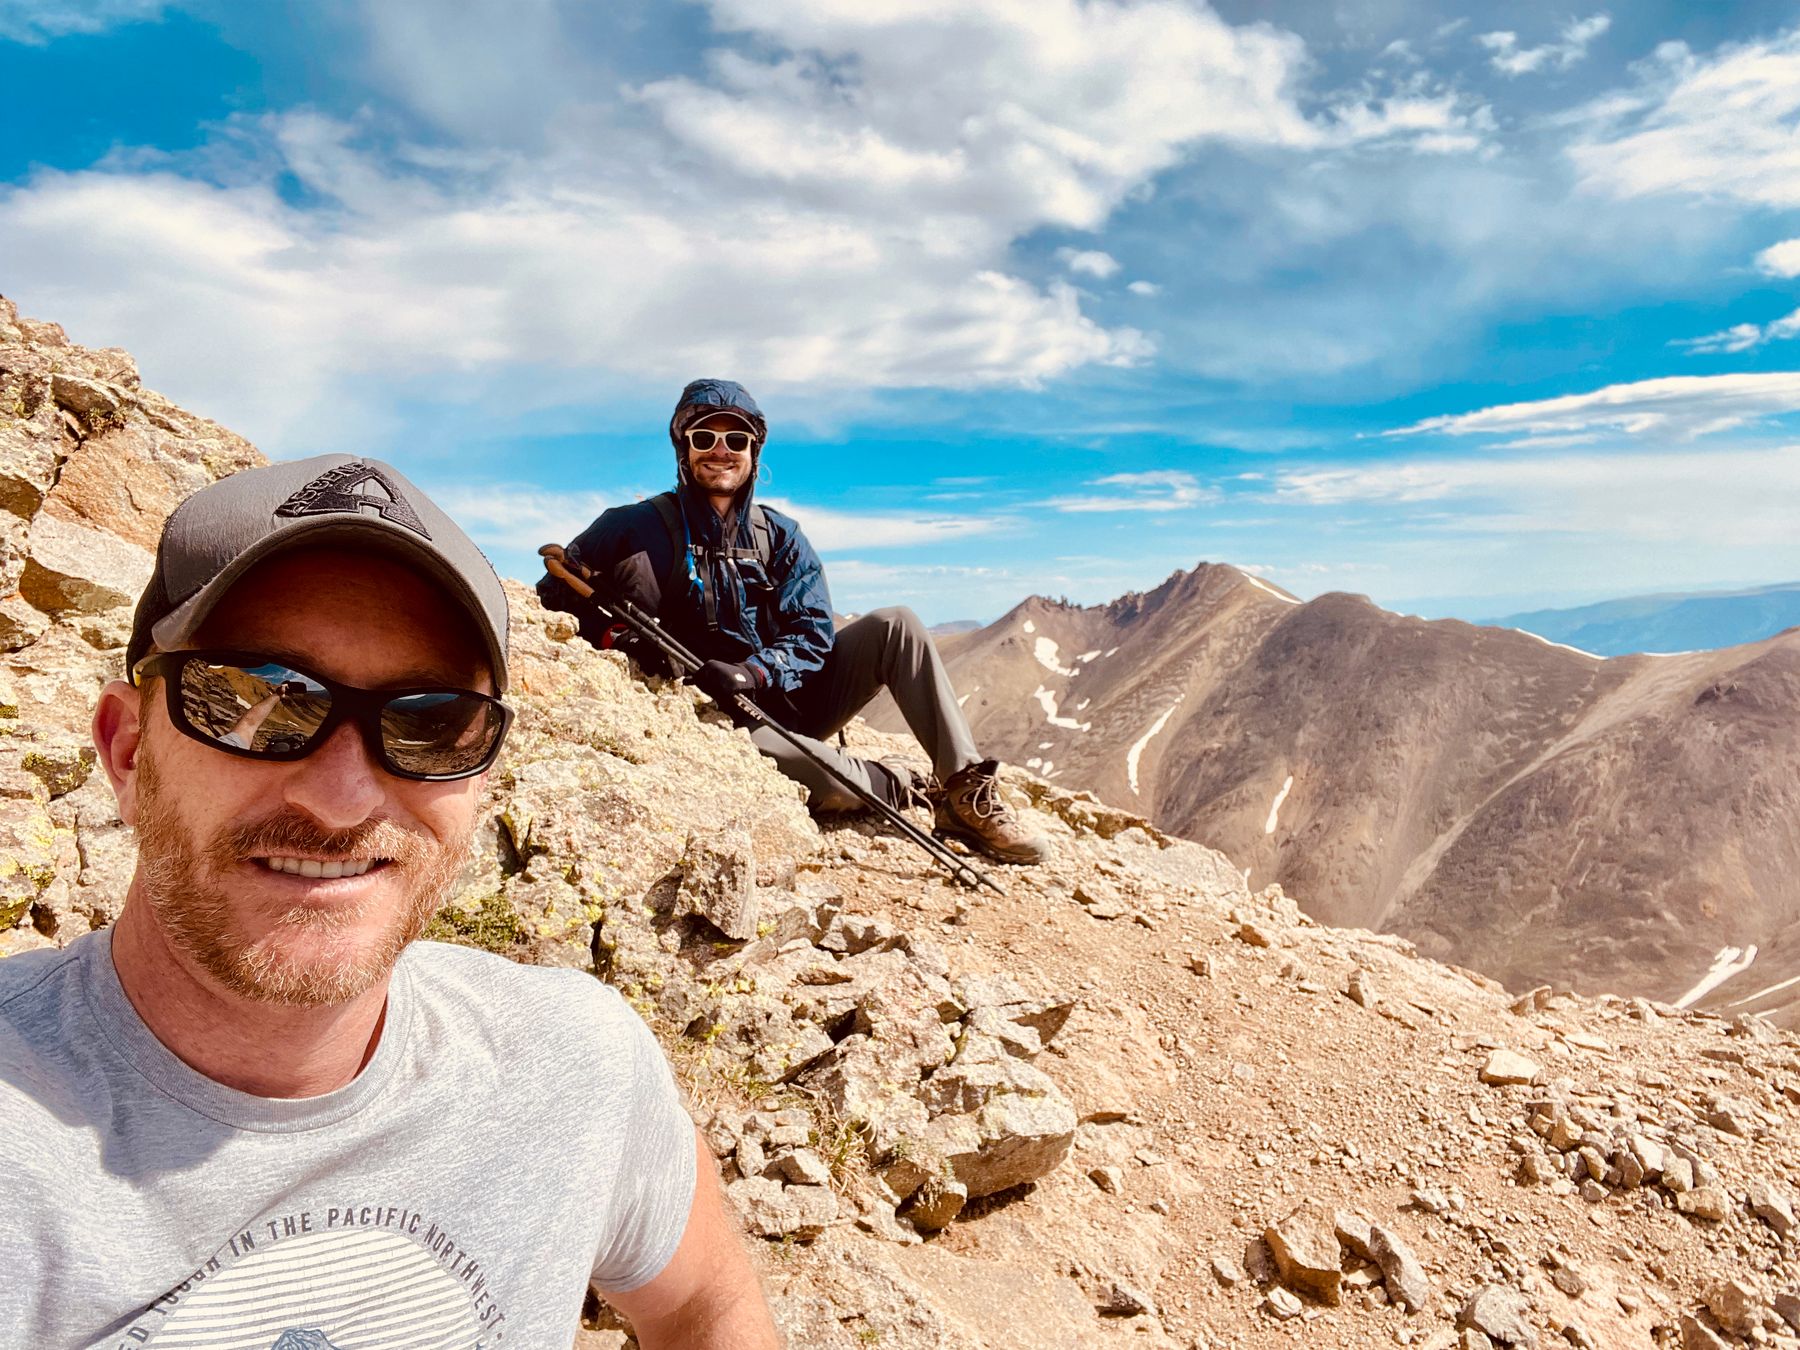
<point x="1275" y="810"/>
<point x="964" y="698"/>
<point x="1729" y="962"/>
<point x="1047" y="657"/>
<point x="1262" y="585"/>
<point x="1563" y="645"/>
<point x="1048" y="701"/>
<point x="1133" y="755"/>
<point x="1030" y="627"/>
<point x="1085" y="657"/>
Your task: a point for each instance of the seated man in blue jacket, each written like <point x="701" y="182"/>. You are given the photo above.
<point x="740" y="586"/>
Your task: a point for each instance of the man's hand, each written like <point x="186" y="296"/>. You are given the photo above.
<point x="722" y="681"/>
<point x="707" y="1297"/>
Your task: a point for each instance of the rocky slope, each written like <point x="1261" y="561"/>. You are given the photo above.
<point x="1132" y="1102"/>
<point x="1522" y="808"/>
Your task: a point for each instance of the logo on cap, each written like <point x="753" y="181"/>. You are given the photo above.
<point x="347" y="487"/>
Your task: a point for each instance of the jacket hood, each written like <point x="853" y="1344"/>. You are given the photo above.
<point x="702" y="398"/>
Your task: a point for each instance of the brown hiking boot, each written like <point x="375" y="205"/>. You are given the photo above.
<point x="972" y="809"/>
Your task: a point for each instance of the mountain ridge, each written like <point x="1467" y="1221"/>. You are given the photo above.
<point x="1436" y="778"/>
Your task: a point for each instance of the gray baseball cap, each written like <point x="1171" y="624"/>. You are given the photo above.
<point x="217" y="535"/>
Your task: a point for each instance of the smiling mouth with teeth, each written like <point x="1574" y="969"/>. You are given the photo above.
<point x="314" y="867"/>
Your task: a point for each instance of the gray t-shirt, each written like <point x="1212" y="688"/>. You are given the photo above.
<point x="515" y="1135"/>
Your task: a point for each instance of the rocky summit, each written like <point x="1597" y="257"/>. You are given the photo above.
<point x="1132" y="1102"/>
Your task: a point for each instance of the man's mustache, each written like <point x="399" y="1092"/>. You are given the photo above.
<point x="291" y="834"/>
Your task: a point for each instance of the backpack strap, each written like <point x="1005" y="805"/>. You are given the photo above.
<point x="668" y="506"/>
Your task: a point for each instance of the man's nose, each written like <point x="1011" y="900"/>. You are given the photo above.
<point x="339" y="785"/>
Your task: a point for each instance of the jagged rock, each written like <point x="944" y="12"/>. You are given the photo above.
<point x="29" y="849"/>
<point x="1306" y="1252"/>
<point x="1499" y="1313"/>
<point x="27" y="469"/>
<point x="1787" y="1306"/>
<point x="1508" y="1067"/>
<point x="21" y="624"/>
<point x="1020" y="1136"/>
<point x="1404" y="1277"/>
<point x="1108" y="1179"/>
<point x="1124" y="1299"/>
<point x="73" y="567"/>
<point x="1361" y="989"/>
<point x="1736" y="1305"/>
<point x="1353" y="1230"/>
<point x="1705" y="1202"/>
<point x="1696" y="1335"/>
<point x="1773" y="1204"/>
<point x="718" y="882"/>
<point x="85" y="398"/>
<point x="1732" y="1115"/>
<point x="772" y="1210"/>
<point x="802" y="1167"/>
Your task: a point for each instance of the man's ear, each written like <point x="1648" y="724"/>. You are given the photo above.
<point x="118" y="736"/>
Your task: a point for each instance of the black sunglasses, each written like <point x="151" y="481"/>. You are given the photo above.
<point x="260" y="707"/>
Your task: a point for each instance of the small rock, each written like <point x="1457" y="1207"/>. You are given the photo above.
<point x="1533" y="1000"/>
<point x="1499" y="1314"/>
<point x="1306" y="1252"/>
<point x="1251" y="935"/>
<point x="1360" y="989"/>
<point x="1280" y="1303"/>
<point x="1736" y="1306"/>
<point x="1228" y="1272"/>
<point x="1593" y="1192"/>
<point x="803" y="1167"/>
<point x="1732" y="1115"/>
<point x="934" y="1207"/>
<point x="1122" y="1299"/>
<point x="1787" y="1304"/>
<point x="1773" y="1205"/>
<point x="1568" y="1279"/>
<point x="1406" y="1279"/>
<point x="1506" y="1068"/>
<point x="1678" y="1176"/>
<point x="1108" y="1179"/>
<point x="1705" y="1202"/>
<point x="1696" y="1335"/>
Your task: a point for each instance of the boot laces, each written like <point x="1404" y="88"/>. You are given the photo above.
<point x="985" y="801"/>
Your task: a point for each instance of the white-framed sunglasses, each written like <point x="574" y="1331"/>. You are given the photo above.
<point x="704" y="439"/>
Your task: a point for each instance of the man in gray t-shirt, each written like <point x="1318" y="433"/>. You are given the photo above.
<point x="257" y="1114"/>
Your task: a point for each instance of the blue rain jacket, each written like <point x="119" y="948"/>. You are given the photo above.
<point x="778" y="620"/>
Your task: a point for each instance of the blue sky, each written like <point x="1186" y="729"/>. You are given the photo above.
<point x="1039" y="295"/>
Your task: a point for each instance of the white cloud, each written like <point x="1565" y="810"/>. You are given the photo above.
<point x="1741" y="497"/>
<point x="1144" y="288"/>
<point x="1509" y="58"/>
<point x="1743" y="337"/>
<point x="1682" y="406"/>
<point x="34" y="22"/>
<point x="1088" y="262"/>
<point x="1719" y="126"/>
<point x="515" y="519"/>
<point x="836" y="531"/>
<point x="1781" y="260"/>
<point x="1154" y="490"/>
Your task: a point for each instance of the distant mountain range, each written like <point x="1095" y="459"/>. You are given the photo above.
<point x="1683" y="622"/>
<point x="1509" y="804"/>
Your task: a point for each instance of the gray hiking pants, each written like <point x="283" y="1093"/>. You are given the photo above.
<point x="884" y="647"/>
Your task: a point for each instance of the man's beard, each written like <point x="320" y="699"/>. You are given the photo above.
<point x="177" y="877"/>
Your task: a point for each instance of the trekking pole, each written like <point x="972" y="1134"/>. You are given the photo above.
<point x="646" y="627"/>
